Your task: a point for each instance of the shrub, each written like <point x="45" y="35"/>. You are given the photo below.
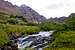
<point x="51" y="26"/>
<point x="64" y="38"/>
<point x="3" y="37"/>
<point x="12" y="21"/>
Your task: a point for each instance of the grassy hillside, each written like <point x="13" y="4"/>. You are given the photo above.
<point x="14" y="24"/>
<point x="64" y="37"/>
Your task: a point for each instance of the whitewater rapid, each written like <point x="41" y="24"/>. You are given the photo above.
<point x="37" y="41"/>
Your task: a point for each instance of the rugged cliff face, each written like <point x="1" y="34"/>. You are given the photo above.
<point x="25" y="11"/>
<point x="31" y="15"/>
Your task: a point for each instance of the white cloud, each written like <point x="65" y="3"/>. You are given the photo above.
<point x="49" y="8"/>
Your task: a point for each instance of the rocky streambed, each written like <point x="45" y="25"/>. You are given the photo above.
<point x="36" y="41"/>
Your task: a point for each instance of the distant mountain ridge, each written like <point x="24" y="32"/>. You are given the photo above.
<point x="59" y="20"/>
<point x="25" y="11"/>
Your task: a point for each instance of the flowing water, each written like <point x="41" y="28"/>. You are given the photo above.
<point x="36" y="41"/>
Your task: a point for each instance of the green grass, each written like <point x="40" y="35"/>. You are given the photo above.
<point x="14" y="24"/>
<point x="3" y="37"/>
<point x="64" y="38"/>
<point x="22" y="28"/>
<point x="5" y="29"/>
<point x="63" y="48"/>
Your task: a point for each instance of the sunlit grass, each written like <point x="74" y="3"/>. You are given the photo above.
<point x="63" y="48"/>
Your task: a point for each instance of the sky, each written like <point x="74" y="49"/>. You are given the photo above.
<point x="49" y="8"/>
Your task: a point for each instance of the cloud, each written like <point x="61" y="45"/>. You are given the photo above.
<point x="55" y="6"/>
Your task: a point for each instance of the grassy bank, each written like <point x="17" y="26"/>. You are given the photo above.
<point x="5" y="29"/>
<point x="63" y="48"/>
<point x="15" y="24"/>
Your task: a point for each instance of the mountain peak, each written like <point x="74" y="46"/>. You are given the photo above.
<point x="23" y="5"/>
<point x="25" y="11"/>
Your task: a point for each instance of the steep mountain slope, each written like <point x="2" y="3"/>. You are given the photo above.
<point x="31" y="15"/>
<point x="7" y="7"/>
<point x="25" y="11"/>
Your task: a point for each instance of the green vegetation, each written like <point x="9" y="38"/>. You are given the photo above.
<point x="64" y="35"/>
<point x="63" y="48"/>
<point x="64" y="39"/>
<point x="3" y="37"/>
<point x="14" y="24"/>
<point x="47" y="26"/>
<point x="5" y="29"/>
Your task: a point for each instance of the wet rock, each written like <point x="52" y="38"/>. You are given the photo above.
<point x="39" y="40"/>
